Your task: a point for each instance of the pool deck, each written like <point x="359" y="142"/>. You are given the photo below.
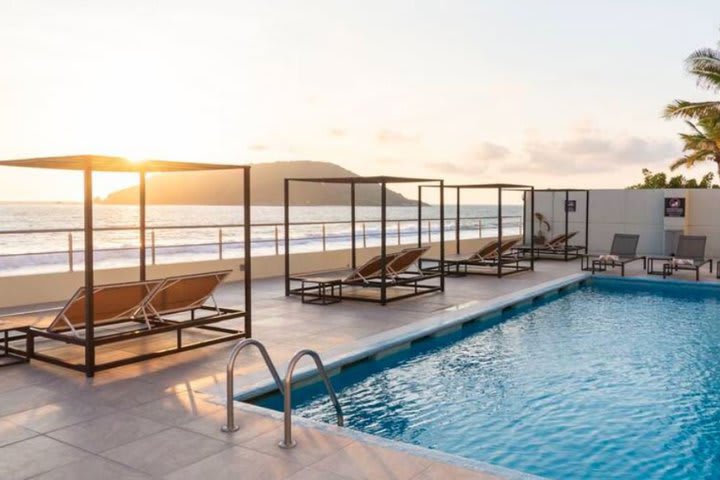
<point x="162" y="418"/>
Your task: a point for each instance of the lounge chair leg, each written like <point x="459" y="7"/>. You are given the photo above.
<point x="622" y="270"/>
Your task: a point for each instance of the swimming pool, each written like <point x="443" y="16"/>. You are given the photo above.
<point x="617" y="379"/>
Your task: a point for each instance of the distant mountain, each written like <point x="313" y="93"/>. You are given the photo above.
<point x="224" y="187"/>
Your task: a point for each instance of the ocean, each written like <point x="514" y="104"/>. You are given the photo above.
<point x="205" y="228"/>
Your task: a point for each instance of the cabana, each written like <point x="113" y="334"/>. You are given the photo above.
<point x="92" y="316"/>
<point x="387" y="277"/>
<point x="558" y="247"/>
<point x="494" y="258"/>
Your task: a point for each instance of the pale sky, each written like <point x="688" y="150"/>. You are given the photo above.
<point x="552" y="93"/>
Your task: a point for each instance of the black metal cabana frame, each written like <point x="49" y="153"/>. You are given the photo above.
<point x="505" y="266"/>
<point x="89" y="164"/>
<point x="382" y="283"/>
<point x="567" y="252"/>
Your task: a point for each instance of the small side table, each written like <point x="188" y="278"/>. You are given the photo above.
<point x="8" y="355"/>
<point x="651" y="266"/>
<point x="325" y="291"/>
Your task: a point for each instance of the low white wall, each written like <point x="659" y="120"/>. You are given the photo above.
<point x="57" y="287"/>
<point x="633" y="211"/>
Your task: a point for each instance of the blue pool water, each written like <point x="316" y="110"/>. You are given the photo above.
<point x="613" y="380"/>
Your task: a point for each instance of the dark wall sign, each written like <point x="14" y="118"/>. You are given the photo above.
<point x="570" y="205"/>
<point x="674" y="207"/>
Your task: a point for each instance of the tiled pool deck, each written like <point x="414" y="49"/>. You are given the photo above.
<point x="162" y="418"/>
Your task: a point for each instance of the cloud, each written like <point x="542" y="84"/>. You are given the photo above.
<point x="336" y="132"/>
<point x="491" y="151"/>
<point x="259" y="147"/>
<point x="392" y="136"/>
<point x="593" y="154"/>
<point x="484" y="156"/>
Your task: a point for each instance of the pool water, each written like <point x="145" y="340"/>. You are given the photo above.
<point x="617" y="379"/>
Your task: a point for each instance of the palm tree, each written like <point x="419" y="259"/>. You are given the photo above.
<point x="702" y="145"/>
<point x="705" y="65"/>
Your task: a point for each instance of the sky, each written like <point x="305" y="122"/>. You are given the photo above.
<point x="553" y="93"/>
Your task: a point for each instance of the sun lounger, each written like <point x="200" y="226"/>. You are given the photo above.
<point x="118" y="308"/>
<point x="114" y="303"/>
<point x="326" y="287"/>
<point x="622" y="251"/>
<point x="362" y="274"/>
<point x="690" y="255"/>
<point x="553" y="248"/>
<point x="184" y="293"/>
<point x="405" y="260"/>
<point x="489" y="255"/>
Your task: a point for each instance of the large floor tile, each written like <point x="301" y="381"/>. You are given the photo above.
<point x="35" y="456"/>
<point x="250" y="425"/>
<point x="439" y="471"/>
<point x="312" y="445"/>
<point x="92" y="468"/>
<point x="58" y="415"/>
<point x="26" y="398"/>
<point x="11" y="433"/>
<point x="166" y="451"/>
<point x="104" y="433"/>
<point x="237" y="462"/>
<point x="365" y="462"/>
<point x="177" y="409"/>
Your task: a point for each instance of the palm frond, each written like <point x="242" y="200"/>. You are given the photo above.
<point x="685" y="109"/>
<point x="689" y="160"/>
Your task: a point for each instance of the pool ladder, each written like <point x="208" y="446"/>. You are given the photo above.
<point x="285" y="387"/>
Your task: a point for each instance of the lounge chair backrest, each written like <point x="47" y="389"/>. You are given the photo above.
<point x="691" y="246"/>
<point x="557" y="240"/>
<point x="624" y="245"/>
<point x="507" y="245"/>
<point x="406" y="259"/>
<point x="112" y="302"/>
<point x="370" y="269"/>
<point x="488" y="250"/>
<point x="184" y="292"/>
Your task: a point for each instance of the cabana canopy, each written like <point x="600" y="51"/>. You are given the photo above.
<point x="101" y="163"/>
<point x="566" y="254"/>
<point x="381" y="181"/>
<point x="500" y="187"/>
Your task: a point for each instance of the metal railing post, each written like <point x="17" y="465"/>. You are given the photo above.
<point x="429" y="231"/>
<point x="398" y="226"/>
<point x="277" y="240"/>
<point x="364" y="236"/>
<point x="71" y="260"/>
<point x="479" y="227"/>
<point x="323" y="237"/>
<point x="152" y="245"/>
<point x="220" y="243"/>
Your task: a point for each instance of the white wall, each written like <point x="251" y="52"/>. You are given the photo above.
<point x="633" y="211"/>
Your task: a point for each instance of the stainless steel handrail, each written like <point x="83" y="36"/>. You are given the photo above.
<point x="230" y="425"/>
<point x="287" y="441"/>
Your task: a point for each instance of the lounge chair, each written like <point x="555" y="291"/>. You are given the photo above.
<point x="114" y="303"/>
<point x="488" y="255"/>
<point x="557" y="245"/>
<point x="353" y="276"/>
<point x="690" y="255"/>
<point x="406" y="259"/>
<point x="622" y="251"/>
<point x="184" y="293"/>
<point x="118" y="308"/>
<point x="559" y="241"/>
